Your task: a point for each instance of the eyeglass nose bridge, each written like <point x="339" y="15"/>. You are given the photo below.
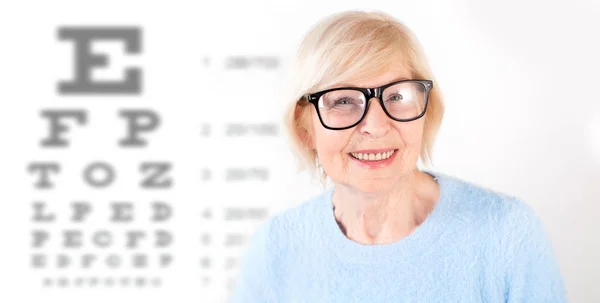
<point x="373" y="93"/>
<point x="370" y="94"/>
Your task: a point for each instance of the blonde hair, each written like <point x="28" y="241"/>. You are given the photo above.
<point x="353" y="45"/>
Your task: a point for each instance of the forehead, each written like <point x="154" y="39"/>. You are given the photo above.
<point x="392" y="74"/>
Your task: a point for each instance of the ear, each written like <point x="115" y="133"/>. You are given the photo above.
<point x="305" y="127"/>
<point x="307" y="138"/>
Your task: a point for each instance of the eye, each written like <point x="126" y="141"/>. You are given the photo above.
<point x="395" y="97"/>
<point x="343" y="101"/>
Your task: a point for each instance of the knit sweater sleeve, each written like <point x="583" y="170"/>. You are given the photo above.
<point x="253" y="282"/>
<point x="533" y="274"/>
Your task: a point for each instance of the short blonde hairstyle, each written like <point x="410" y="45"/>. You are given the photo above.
<point x="353" y="45"/>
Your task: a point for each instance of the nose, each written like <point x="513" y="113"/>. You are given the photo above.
<point x="375" y="123"/>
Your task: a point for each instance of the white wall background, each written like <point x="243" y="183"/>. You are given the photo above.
<point x="519" y="80"/>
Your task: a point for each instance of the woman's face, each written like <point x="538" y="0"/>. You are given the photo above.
<point x="376" y="133"/>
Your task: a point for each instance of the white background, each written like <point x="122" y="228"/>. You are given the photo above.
<point x="520" y="82"/>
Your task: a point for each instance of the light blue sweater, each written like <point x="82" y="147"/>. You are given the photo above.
<point x="477" y="245"/>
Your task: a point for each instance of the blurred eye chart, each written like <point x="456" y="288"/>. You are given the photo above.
<point x="143" y="142"/>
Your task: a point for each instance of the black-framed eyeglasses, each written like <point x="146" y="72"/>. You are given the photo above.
<point x="345" y="107"/>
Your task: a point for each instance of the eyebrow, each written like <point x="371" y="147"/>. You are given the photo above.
<point x="351" y="85"/>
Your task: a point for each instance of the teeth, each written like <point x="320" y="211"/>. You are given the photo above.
<point x="373" y="157"/>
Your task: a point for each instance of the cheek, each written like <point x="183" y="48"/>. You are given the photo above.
<point x="329" y="142"/>
<point x="411" y="134"/>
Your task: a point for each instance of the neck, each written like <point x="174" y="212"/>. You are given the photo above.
<point x="385" y="217"/>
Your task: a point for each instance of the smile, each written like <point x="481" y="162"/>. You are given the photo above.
<point x="373" y="156"/>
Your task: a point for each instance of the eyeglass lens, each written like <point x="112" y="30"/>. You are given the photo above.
<point x="342" y="108"/>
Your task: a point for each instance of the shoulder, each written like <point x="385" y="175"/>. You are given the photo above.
<point x="272" y="245"/>
<point x="298" y="215"/>
<point x="499" y="221"/>
<point x="302" y="223"/>
<point x="477" y="203"/>
<point x="518" y="246"/>
<point x="505" y="222"/>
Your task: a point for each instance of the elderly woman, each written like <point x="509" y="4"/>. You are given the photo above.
<point x="365" y="108"/>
